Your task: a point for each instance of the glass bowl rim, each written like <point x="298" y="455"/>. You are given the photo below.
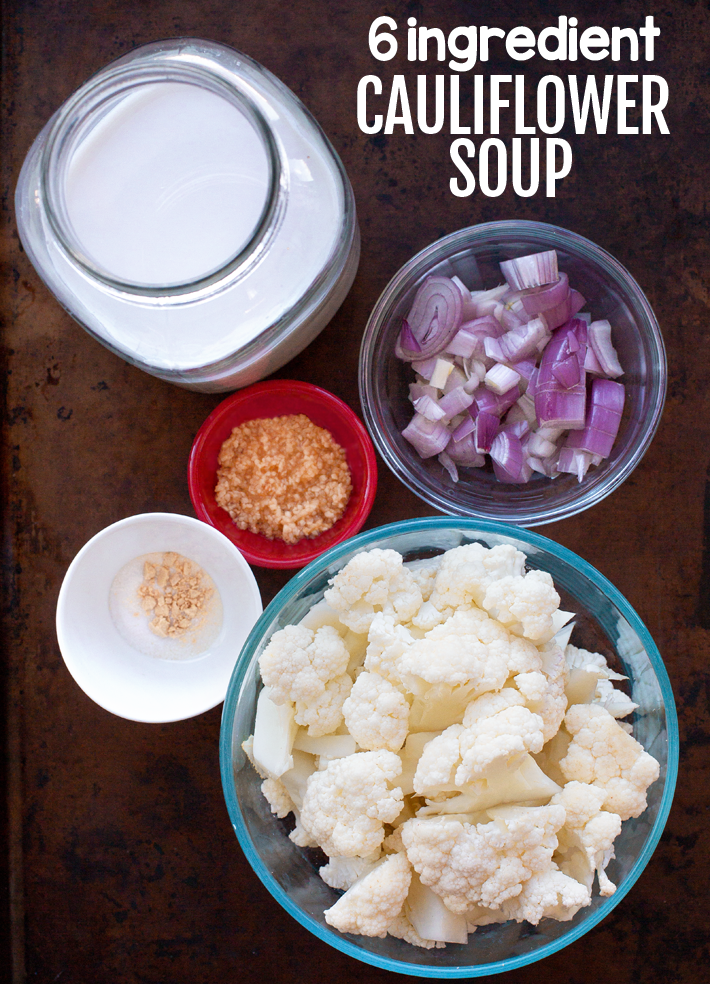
<point x="437" y="251"/>
<point x="294" y="587"/>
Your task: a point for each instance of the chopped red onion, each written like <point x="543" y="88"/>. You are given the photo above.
<point x="525" y="368"/>
<point x="466" y="427"/>
<point x="441" y="372"/>
<point x="591" y="362"/>
<point x="541" y="299"/>
<point x="449" y="465"/>
<point x="457" y="377"/>
<point x="425" y="367"/>
<point x="540" y="447"/>
<point x="606" y="403"/>
<point x="493" y="350"/>
<point x="521" y="428"/>
<point x="455" y="401"/>
<point x="519" y="343"/>
<point x="568" y="372"/>
<point x="485" y="301"/>
<point x="574" y="461"/>
<point x="464" y="343"/>
<point x="501" y="378"/>
<point x="421" y="389"/>
<point x="434" y="318"/>
<point x="509" y="462"/>
<point x="407" y="341"/>
<point x="464" y="452"/>
<point x="535" y="270"/>
<point x="556" y="404"/>
<point x="428" y="437"/>
<point x="429" y="408"/>
<point x="487" y="425"/>
<point x="468" y="308"/>
<point x="494" y="403"/>
<point x="600" y="339"/>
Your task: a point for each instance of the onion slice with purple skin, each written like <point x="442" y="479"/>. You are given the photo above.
<point x="534" y="270"/>
<point x="487" y="426"/>
<point x="606" y="404"/>
<point x="464" y="453"/>
<point x="508" y="459"/>
<point x="555" y="404"/>
<point x="490" y="402"/>
<point x="434" y="319"/>
<point x="428" y="437"/>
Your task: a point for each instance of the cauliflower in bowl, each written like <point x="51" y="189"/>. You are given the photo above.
<point x="433" y="732"/>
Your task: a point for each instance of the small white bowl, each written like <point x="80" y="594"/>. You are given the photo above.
<point x="118" y="662"/>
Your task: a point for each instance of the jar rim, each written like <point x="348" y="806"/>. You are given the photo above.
<point x="92" y="100"/>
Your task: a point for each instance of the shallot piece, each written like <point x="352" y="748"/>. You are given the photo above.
<point x="600" y="340"/>
<point x="558" y="404"/>
<point x="535" y="270"/>
<point x="433" y="320"/>
<point x="428" y="437"/>
<point x="606" y="404"/>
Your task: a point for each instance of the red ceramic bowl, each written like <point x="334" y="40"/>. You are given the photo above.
<point x="275" y="399"/>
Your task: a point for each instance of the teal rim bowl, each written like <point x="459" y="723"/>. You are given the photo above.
<point x="605" y="620"/>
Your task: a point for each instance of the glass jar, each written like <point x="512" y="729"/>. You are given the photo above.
<point x="191" y="215"/>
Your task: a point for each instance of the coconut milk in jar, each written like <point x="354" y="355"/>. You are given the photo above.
<point x="188" y="211"/>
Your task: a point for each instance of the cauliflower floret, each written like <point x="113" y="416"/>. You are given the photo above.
<point x="376" y="713"/>
<point x="615" y="701"/>
<point x="387" y="640"/>
<point x="582" y="659"/>
<point x="424" y="573"/>
<point x="467" y="864"/>
<point x="496" y="729"/>
<point x="553" y="704"/>
<point x="342" y="873"/>
<point x="526" y="603"/>
<point x="277" y="797"/>
<point x="374" y="581"/>
<point x="547" y="893"/>
<point x="469" y="649"/>
<point x="347" y="803"/>
<point x="309" y="669"/>
<point x="375" y="901"/>
<point x="602" y="754"/>
<point x="324" y="714"/>
<point x="590" y="830"/>
<point x="590" y="682"/>
<point x="466" y="572"/>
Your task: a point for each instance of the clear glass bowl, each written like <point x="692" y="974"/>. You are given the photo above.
<point x="474" y="255"/>
<point x="605" y="618"/>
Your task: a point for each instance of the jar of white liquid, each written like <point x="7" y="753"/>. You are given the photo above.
<point x="189" y="212"/>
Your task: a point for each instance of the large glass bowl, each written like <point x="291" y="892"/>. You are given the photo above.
<point x="605" y="620"/>
<point x="474" y="256"/>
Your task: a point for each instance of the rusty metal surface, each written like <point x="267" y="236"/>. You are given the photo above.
<point x="122" y="863"/>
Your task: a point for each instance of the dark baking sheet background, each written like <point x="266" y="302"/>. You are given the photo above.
<point x="121" y="860"/>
